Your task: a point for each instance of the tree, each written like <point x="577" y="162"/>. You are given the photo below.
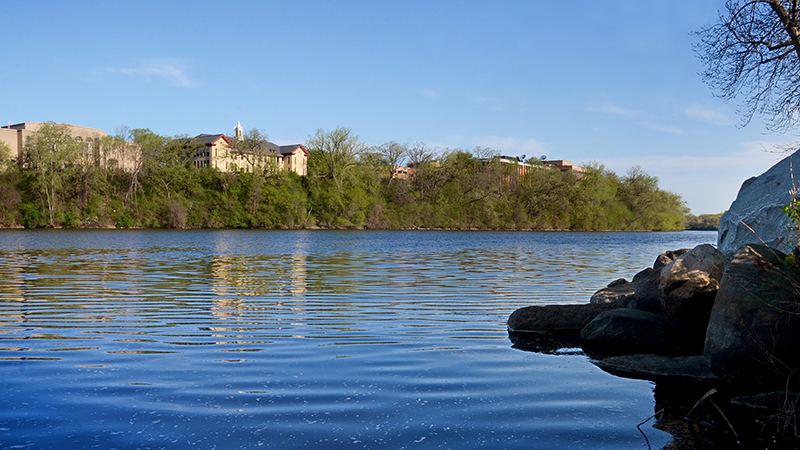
<point x="390" y="157"/>
<point x="419" y="154"/>
<point x="146" y="145"/>
<point x="6" y="160"/>
<point x="333" y="153"/>
<point x="50" y="153"/>
<point x="254" y="147"/>
<point x="754" y="51"/>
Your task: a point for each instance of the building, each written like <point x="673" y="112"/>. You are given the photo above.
<point x="564" y="166"/>
<point x="15" y="136"/>
<point x="295" y="158"/>
<point x="94" y="147"/>
<point x="221" y="152"/>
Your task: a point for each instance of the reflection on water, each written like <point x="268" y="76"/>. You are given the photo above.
<point x="286" y="339"/>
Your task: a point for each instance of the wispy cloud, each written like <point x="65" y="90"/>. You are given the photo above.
<point x="643" y="118"/>
<point x="716" y="116"/>
<point x="170" y="71"/>
<point x="611" y="108"/>
<point x="664" y="128"/>
<point x="432" y="94"/>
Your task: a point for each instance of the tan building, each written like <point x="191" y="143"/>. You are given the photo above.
<point x="220" y="152"/>
<point x="564" y="166"/>
<point x="217" y="150"/>
<point x="92" y="150"/>
<point x="15" y="136"/>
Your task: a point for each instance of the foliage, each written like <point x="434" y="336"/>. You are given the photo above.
<point x="6" y="158"/>
<point x="52" y="155"/>
<point x="347" y="188"/>
<point x="703" y="221"/>
<point x="333" y="154"/>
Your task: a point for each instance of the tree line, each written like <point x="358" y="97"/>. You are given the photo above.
<point x="349" y="185"/>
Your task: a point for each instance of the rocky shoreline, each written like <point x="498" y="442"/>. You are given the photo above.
<point x="722" y="322"/>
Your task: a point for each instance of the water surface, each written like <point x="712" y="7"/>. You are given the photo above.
<point x="308" y="339"/>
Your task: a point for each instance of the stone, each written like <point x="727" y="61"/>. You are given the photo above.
<point x="646" y="296"/>
<point x="668" y="256"/>
<point x="626" y="331"/>
<point x="617" y="292"/>
<point x="753" y="336"/>
<point x="659" y="368"/>
<point x="687" y="288"/>
<point x="642" y="275"/>
<point x="554" y="318"/>
<point x="756" y="216"/>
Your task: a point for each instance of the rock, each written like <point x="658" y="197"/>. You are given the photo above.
<point x="554" y="317"/>
<point x="646" y="296"/>
<point x="618" y="292"/>
<point x="642" y="275"/>
<point x="687" y="288"/>
<point x="618" y="282"/>
<point x="626" y="331"/>
<point x="549" y="343"/>
<point x="659" y="368"/>
<point x="756" y="216"/>
<point x="669" y="256"/>
<point x="753" y="335"/>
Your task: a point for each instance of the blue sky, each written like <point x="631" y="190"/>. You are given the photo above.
<point x="613" y="82"/>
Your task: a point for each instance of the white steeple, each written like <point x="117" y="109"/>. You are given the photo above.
<point x="238" y="132"/>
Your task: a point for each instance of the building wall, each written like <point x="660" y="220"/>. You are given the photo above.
<point x="16" y="135"/>
<point x="296" y="161"/>
<point x="11" y="139"/>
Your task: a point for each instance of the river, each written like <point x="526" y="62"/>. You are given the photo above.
<point x="238" y="339"/>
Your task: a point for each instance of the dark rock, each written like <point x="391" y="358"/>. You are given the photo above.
<point x="554" y="317"/>
<point x="753" y="336"/>
<point x="642" y="275"/>
<point x="626" y="331"/>
<point x="646" y="296"/>
<point x="550" y="342"/>
<point x="618" y="282"/>
<point x="659" y="368"/>
<point x="756" y="216"/>
<point x="619" y="292"/>
<point x="687" y="288"/>
<point x="667" y="257"/>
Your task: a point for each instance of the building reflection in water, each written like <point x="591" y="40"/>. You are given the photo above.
<point x="266" y="283"/>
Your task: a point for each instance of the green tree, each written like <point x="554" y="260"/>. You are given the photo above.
<point x="146" y="148"/>
<point x="51" y="154"/>
<point x="6" y="159"/>
<point x="332" y="154"/>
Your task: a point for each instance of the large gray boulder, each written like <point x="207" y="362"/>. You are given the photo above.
<point x="753" y="335"/>
<point x="756" y="216"/>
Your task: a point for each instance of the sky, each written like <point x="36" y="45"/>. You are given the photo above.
<point x="614" y="83"/>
